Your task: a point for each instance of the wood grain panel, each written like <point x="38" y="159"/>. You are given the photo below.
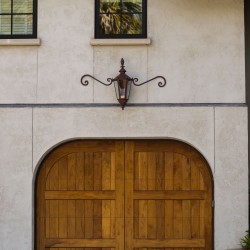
<point x="80" y="219"/>
<point x="73" y="195"/>
<point x="63" y="174"/>
<point x="88" y="219"/>
<point x="63" y="218"/>
<point x="152" y="222"/>
<point x="97" y="224"/>
<point x="116" y="195"/>
<point x="71" y="219"/>
<point x="80" y="160"/>
<point x="106" y="171"/>
<point x="89" y="172"/>
<point x="72" y="172"/>
<point x="97" y="171"/>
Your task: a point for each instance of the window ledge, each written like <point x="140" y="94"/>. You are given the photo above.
<point x="120" y="42"/>
<point x="20" y="42"/>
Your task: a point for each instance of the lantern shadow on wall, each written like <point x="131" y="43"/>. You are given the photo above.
<point x="123" y="83"/>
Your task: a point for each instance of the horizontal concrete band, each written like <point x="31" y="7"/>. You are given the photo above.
<point x="99" y="105"/>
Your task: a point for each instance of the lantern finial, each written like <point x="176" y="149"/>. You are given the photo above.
<point x="122" y="70"/>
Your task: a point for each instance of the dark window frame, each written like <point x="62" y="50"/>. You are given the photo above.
<point x="120" y="36"/>
<point x="34" y="23"/>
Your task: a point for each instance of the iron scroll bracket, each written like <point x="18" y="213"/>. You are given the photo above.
<point x="161" y="84"/>
<point x="86" y="82"/>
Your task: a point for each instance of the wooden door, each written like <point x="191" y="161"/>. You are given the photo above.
<point x="80" y="204"/>
<point x="116" y="195"/>
<point x="168" y="203"/>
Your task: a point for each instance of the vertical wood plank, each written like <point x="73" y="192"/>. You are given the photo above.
<point x="112" y="174"/>
<point x="71" y="219"/>
<point x="169" y="219"/>
<point x="47" y="220"/>
<point x="160" y="208"/>
<point x="186" y="211"/>
<point x="53" y="175"/>
<point x="195" y="219"/>
<point x="63" y="220"/>
<point x="80" y="219"/>
<point x="97" y="226"/>
<point x="160" y="171"/>
<point x="53" y="223"/>
<point x="97" y="171"/>
<point x="169" y="171"/>
<point x="186" y="170"/>
<point x="202" y="219"/>
<point x="112" y="219"/>
<point x="63" y="173"/>
<point x="130" y="162"/>
<point x="178" y="226"/>
<point x="120" y="194"/>
<point x="143" y="219"/>
<point x="136" y="219"/>
<point x="178" y="174"/>
<point x="195" y="177"/>
<point x="186" y="204"/>
<point x="106" y="221"/>
<point x="89" y="172"/>
<point x="80" y="171"/>
<point x="151" y="223"/>
<point x="72" y="171"/>
<point x="88" y="218"/>
<point x="47" y="175"/>
<point x="41" y="208"/>
<point x="195" y="205"/>
<point x="106" y="171"/>
<point x="169" y="204"/>
<point x="143" y="170"/>
<point x="151" y="171"/>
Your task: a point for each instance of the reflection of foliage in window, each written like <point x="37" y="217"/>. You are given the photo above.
<point x="121" y="17"/>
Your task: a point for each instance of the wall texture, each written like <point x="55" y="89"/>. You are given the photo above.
<point x="198" y="45"/>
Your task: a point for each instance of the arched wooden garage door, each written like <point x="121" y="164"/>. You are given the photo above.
<point x="116" y="195"/>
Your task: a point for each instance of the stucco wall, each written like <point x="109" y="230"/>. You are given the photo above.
<point x="198" y="45"/>
<point x="220" y="134"/>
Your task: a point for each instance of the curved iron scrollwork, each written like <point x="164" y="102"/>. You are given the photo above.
<point x="134" y="81"/>
<point x="86" y="82"/>
<point x="160" y="84"/>
<point x="122" y="84"/>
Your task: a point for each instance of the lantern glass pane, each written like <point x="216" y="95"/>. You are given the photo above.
<point x="122" y="89"/>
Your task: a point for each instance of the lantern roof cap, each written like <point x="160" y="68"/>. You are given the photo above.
<point x="122" y="71"/>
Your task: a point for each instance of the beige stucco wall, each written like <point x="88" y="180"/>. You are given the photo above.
<point x="198" y="45"/>
<point x="220" y="134"/>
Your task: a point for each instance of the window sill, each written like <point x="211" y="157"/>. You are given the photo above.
<point x="120" y="42"/>
<point x="20" y="42"/>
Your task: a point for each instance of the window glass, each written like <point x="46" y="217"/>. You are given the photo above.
<point x="17" y="18"/>
<point x="120" y="18"/>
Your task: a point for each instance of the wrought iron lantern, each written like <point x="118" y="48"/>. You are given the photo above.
<point x="123" y="84"/>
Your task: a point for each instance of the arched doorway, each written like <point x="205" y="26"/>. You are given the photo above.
<point x="124" y="194"/>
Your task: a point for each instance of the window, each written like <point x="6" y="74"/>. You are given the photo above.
<point x="18" y="18"/>
<point x="120" y="19"/>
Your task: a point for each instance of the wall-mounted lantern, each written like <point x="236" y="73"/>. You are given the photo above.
<point x="122" y="84"/>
